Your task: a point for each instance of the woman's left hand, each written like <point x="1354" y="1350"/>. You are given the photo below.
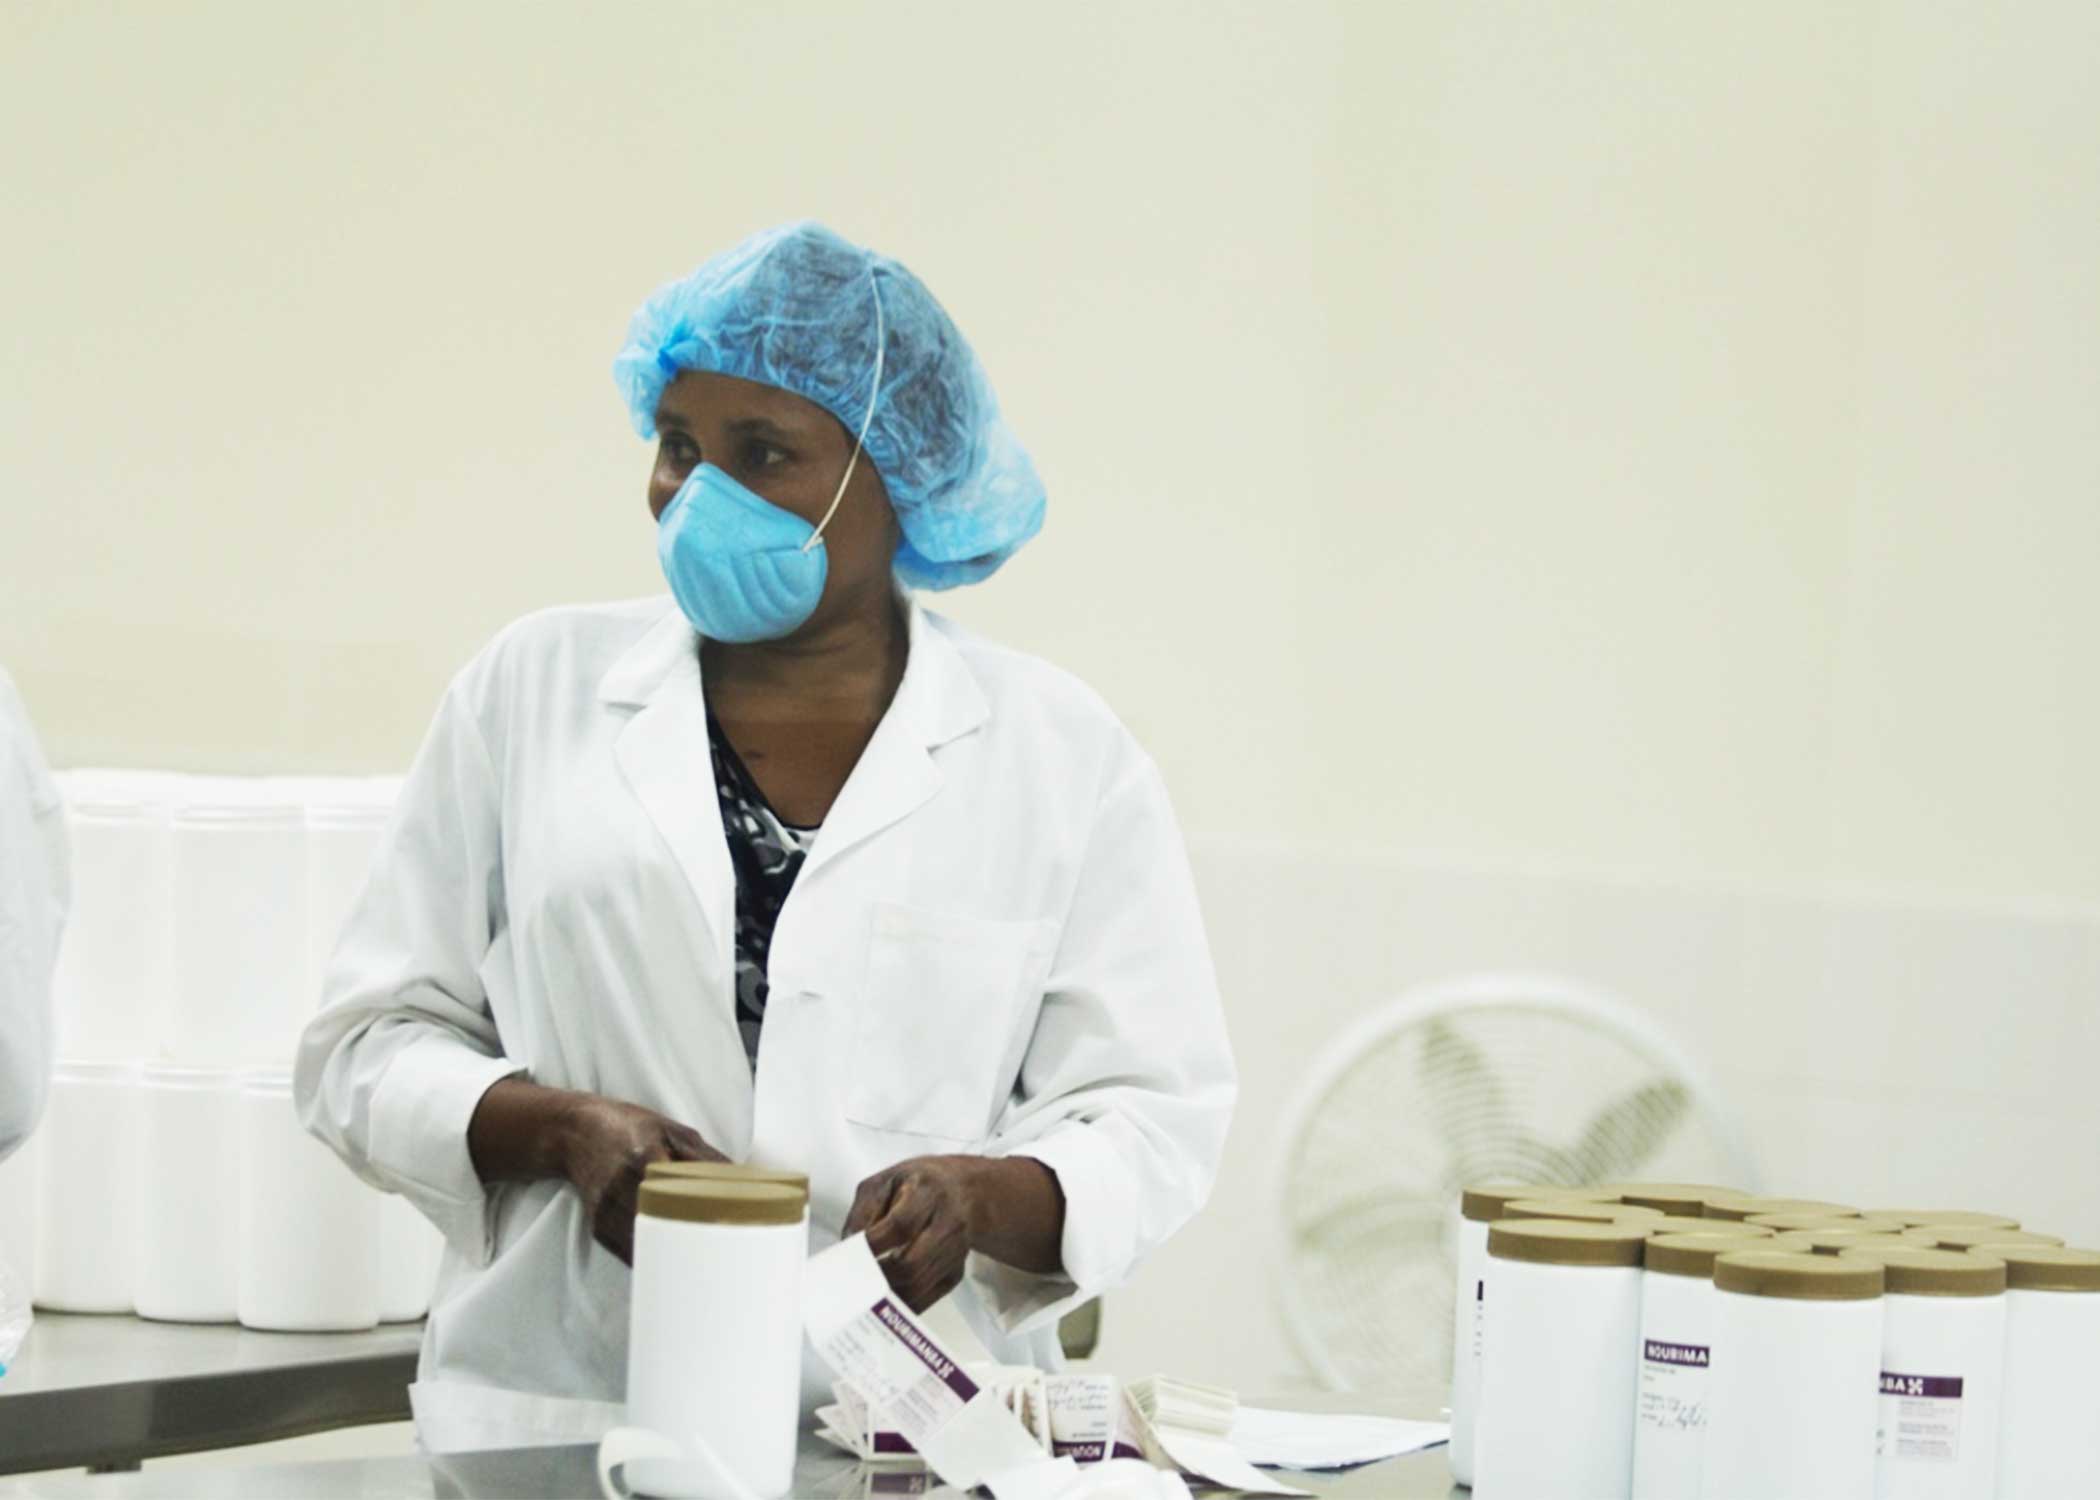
<point x="918" y="1216"/>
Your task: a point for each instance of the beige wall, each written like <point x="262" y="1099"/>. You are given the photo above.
<point x="1642" y="437"/>
<point x="1657" y="435"/>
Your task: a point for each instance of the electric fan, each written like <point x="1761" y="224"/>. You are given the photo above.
<point x="1511" y="1077"/>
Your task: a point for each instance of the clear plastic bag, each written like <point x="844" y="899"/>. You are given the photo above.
<point x="14" y="1313"/>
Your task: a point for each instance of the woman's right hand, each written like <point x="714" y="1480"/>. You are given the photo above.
<point x="522" y="1131"/>
<point x="607" y="1146"/>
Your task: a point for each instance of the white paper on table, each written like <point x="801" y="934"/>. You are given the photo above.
<point x="1188" y="1425"/>
<point x="892" y="1364"/>
<point x="1329" y="1440"/>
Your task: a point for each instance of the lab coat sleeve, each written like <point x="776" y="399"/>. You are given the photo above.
<point x="1128" y="1082"/>
<point x="34" y="891"/>
<point x="391" y="1069"/>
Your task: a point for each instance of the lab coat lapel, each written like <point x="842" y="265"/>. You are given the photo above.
<point x="938" y="701"/>
<point x="662" y="751"/>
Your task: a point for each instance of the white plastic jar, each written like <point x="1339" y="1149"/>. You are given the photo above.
<point x="88" y="1189"/>
<point x="111" y="977"/>
<point x="1676" y="1356"/>
<point x="189" y="1194"/>
<point x="345" y="817"/>
<point x="1479" y="1206"/>
<point x="1557" y="1365"/>
<point x="2049" y="1429"/>
<point x="1796" y="1377"/>
<point x="239" y="997"/>
<point x="1942" y="1373"/>
<point x="714" y="1348"/>
<point x="309" y="1230"/>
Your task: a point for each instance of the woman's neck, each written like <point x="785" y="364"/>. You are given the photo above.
<point x="849" y="665"/>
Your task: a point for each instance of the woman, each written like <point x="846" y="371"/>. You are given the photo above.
<point x="788" y="871"/>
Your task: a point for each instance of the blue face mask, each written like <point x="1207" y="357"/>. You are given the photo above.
<point x="740" y="567"/>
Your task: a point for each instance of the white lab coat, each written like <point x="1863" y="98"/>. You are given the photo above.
<point x="994" y="947"/>
<point x="34" y="879"/>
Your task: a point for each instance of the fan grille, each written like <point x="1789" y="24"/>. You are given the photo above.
<point x="1459" y="1094"/>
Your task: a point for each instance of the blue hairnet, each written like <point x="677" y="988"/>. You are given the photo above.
<point x="794" y="307"/>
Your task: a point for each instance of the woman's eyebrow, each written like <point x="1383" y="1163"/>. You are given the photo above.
<point x="764" y="427"/>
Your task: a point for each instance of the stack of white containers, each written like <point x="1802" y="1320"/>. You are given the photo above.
<point x="171" y="1176"/>
<point x="1686" y="1341"/>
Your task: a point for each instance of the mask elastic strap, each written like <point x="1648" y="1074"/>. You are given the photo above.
<point x="873" y="395"/>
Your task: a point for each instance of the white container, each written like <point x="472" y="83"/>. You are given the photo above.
<point x="1478" y="1206"/>
<point x="112" y="972"/>
<point x="1795" y="1386"/>
<point x="88" y="1205"/>
<point x="309" y="1230"/>
<point x="189" y="1194"/>
<point x="2049" y="1429"/>
<point x="19" y="1192"/>
<point x="410" y="1247"/>
<point x="240" y="993"/>
<point x="1676" y="1357"/>
<point x="714" y="1349"/>
<point x="345" y="818"/>
<point x="1942" y="1373"/>
<point x="1557" y="1364"/>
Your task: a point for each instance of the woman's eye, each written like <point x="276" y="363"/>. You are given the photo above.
<point x="680" y="449"/>
<point x="764" y="456"/>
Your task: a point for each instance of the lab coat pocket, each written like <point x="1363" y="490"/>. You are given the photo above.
<point x="943" y="1001"/>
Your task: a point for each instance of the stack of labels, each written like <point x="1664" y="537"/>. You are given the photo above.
<point x="239" y="996"/>
<point x="1556" y="1382"/>
<point x="409" y="1250"/>
<point x="345" y="818"/>
<point x="189" y="1194"/>
<point x="1478" y="1206"/>
<point x="1796" y="1377"/>
<point x="2049" y="1432"/>
<point x="1746" y="1206"/>
<point x="112" y="970"/>
<point x="1942" y="1373"/>
<point x="88" y="1203"/>
<point x="309" y="1231"/>
<point x="1676" y="1356"/>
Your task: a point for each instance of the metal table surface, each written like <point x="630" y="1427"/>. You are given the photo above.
<point x="821" y="1473"/>
<point x="115" y="1390"/>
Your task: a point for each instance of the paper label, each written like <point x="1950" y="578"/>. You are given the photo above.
<point x="1086" y="1414"/>
<point x="897" y="1373"/>
<point x="1673" y="1385"/>
<point x="1920" y="1417"/>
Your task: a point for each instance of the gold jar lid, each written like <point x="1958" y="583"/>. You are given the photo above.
<point x="1869" y="1223"/>
<point x="1747" y="1205"/>
<point x="1837" y="1239"/>
<point x="1686" y="1199"/>
<point x="2048" y="1268"/>
<point x="1797" y="1277"/>
<point x="1483" y="1202"/>
<point x="1586" y="1211"/>
<point x="1693" y="1253"/>
<point x="1565" y="1242"/>
<point x="725" y="1171"/>
<point x="720" y="1200"/>
<point x="1960" y="1238"/>
<point x="1912" y="1271"/>
<point x="1683" y="1224"/>
<point x="1947" y="1218"/>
